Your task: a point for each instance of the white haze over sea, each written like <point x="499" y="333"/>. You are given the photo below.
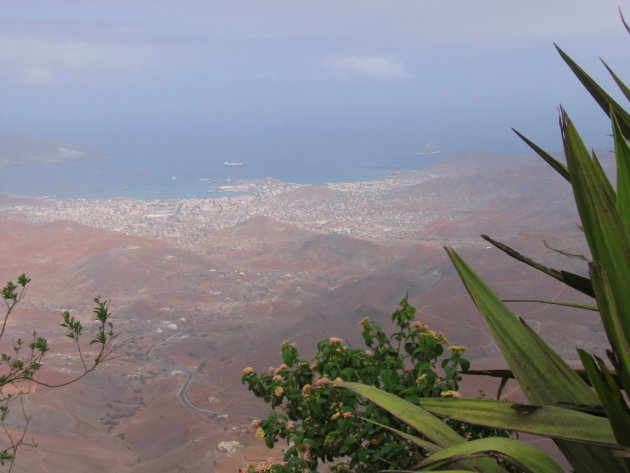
<point x="302" y="91"/>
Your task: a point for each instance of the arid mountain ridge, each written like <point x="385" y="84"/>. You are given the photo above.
<point x="210" y="287"/>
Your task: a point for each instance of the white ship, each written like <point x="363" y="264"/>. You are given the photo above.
<point x="230" y="163"/>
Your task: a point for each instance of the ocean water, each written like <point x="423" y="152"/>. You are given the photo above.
<point x="180" y="178"/>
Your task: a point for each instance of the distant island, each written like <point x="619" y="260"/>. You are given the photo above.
<point x="19" y="150"/>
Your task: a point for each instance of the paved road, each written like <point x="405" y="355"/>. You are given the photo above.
<point x="189" y="374"/>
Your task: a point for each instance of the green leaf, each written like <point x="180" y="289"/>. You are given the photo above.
<point x="507" y="374"/>
<point x="622" y="153"/>
<point x="577" y="305"/>
<point x="428" y="446"/>
<point x="525" y="456"/>
<point x="602" y="224"/>
<point x="415" y="471"/>
<point x="624" y="88"/>
<point x="623" y="20"/>
<point x="544" y="377"/>
<point x="605" y="101"/>
<point x="612" y="398"/>
<point x="561" y="168"/>
<point x="430" y="426"/>
<point x="613" y="324"/>
<point x="436" y="431"/>
<point x="548" y="421"/>
<point x="575" y="281"/>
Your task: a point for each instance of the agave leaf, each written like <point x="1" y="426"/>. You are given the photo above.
<point x="575" y="281"/>
<point x="610" y="395"/>
<point x="605" y="101"/>
<point x="561" y="168"/>
<point x="623" y="20"/>
<point x="428" y="446"/>
<point x="507" y="374"/>
<point x="430" y="426"/>
<point x="624" y="88"/>
<point x="544" y="377"/>
<point x="612" y="320"/>
<point x="542" y="374"/>
<point x="525" y="456"/>
<point x="548" y="421"/>
<point x="577" y="305"/>
<point x="622" y="153"/>
<point x="416" y="471"/>
<point x="603" y="227"/>
<point x="436" y="431"/>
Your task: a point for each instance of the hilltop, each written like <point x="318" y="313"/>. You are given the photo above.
<point x="202" y="287"/>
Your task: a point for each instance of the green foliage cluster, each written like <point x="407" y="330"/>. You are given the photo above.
<point x="20" y="364"/>
<point x="323" y="424"/>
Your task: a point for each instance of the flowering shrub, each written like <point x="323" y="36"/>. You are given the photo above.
<point x="323" y="424"/>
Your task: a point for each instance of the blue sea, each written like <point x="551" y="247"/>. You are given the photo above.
<point x="181" y="178"/>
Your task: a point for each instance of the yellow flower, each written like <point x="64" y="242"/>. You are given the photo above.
<point x="421" y="378"/>
<point x="419" y="325"/>
<point x="279" y="391"/>
<point x="458" y="348"/>
<point x="335" y="340"/>
<point x="450" y="394"/>
<point x="336" y="415"/>
<point x="260" y="433"/>
<point x="248" y="370"/>
<point x="306" y="389"/>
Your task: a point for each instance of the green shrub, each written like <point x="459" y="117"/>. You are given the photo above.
<point x="322" y="424"/>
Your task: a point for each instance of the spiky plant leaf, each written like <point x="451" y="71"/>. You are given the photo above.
<point x="605" y="101"/>
<point x="575" y="305"/>
<point x="612" y="398"/>
<point x="507" y="374"/>
<point x="428" y="446"/>
<point x="622" y="153"/>
<point x="602" y="224"/>
<point x="548" y="421"/>
<point x="543" y="375"/>
<point x="528" y="458"/>
<point x="545" y="378"/>
<point x="623" y="20"/>
<point x="576" y="281"/>
<point x="624" y="88"/>
<point x="429" y="426"/>
<point x="613" y="325"/>
<point x="561" y="168"/>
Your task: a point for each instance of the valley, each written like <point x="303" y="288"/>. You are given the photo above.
<point x="201" y="288"/>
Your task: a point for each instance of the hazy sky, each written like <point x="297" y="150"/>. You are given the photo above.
<point x="302" y="79"/>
